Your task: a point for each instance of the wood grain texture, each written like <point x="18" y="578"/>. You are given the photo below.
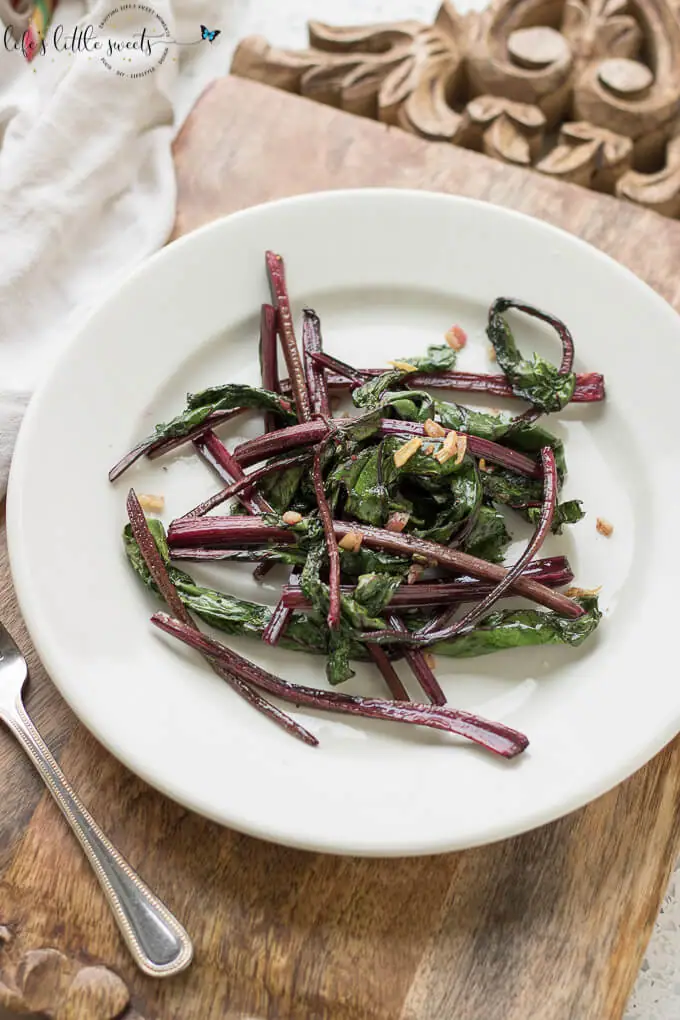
<point x="609" y="68"/>
<point x="549" y="926"/>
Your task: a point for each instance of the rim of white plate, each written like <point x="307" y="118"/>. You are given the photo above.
<point x="49" y="651"/>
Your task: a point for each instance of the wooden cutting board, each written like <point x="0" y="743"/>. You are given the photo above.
<point x="548" y="926"/>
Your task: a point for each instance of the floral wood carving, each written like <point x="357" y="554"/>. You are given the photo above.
<point x="584" y="90"/>
<point x="46" y="983"/>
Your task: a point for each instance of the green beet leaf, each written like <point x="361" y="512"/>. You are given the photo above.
<point x="521" y="628"/>
<point x="535" y="380"/>
<point x="437" y="358"/>
<point x="489" y="537"/>
<point x="570" y="512"/>
<point x="371" y="394"/>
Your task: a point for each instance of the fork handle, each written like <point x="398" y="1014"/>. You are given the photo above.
<point x="159" y="944"/>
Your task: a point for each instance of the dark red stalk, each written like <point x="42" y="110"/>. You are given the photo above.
<point x="502" y="304"/>
<point x="315" y="374"/>
<point x="590" y="387"/>
<point x="213" y="532"/>
<point x="268" y="360"/>
<point x="157" y="447"/>
<point x="164" y="446"/>
<point x="390" y="675"/>
<point x="418" y="665"/>
<point x="312" y="432"/>
<point x="464" y="589"/>
<point x="277" y="282"/>
<point x="261" y="570"/>
<point x="345" y="371"/>
<point x="278" y="622"/>
<point x="235" y="488"/>
<point x="331" y="542"/>
<point x="495" y="736"/>
<point x="159" y="573"/>
<point x="217" y="555"/>
<point x="271" y="635"/>
<point x="434" y="631"/>
<point x="229" y="469"/>
<point x="262" y="447"/>
<point x="490" y="451"/>
<point x="236" y="532"/>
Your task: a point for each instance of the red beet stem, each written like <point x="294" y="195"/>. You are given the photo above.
<point x="159" y="573"/>
<point x="418" y="665"/>
<point x="312" y="432"/>
<point x="272" y="633"/>
<point x="390" y="675"/>
<point x="216" y="555"/>
<point x="237" y="487"/>
<point x="269" y="360"/>
<point x="277" y="282"/>
<point x="490" y="451"/>
<point x="502" y="304"/>
<point x="495" y="736"/>
<point x="254" y="450"/>
<point x="229" y="469"/>
<point x="331" y="542"/>
<point x="316" y="376"/>
<point x="345" y="371"/>
<point x="154" y="448"/>
<point x="464" y="589"/>
<point x="236" y="532"/>
<point x="261" y="570"/>
<point x="590" y="386"/>
<point x="433" y="632"/>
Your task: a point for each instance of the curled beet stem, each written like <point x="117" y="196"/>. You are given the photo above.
<point x="502" y="304"/>
<point x="435" y="632"/>
<point x="494" y="736"/>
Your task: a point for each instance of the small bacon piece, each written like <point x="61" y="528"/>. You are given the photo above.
<point x="397" y="521"/>
<point x="456" y="337"/>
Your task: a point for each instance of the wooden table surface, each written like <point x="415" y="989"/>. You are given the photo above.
<point x="549" y="926"/>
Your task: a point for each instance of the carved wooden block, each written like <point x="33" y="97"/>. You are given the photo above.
<point x="584" y="90"/>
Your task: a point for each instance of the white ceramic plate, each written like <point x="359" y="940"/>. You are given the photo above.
<point x="388" y="271"/>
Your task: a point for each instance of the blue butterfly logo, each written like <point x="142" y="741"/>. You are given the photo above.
<point x="207" y="34"/>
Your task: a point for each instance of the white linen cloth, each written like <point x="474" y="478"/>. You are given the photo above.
<point x="87" y="187"/>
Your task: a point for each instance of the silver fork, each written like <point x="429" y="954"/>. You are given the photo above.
<point x="158" y="942"/>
